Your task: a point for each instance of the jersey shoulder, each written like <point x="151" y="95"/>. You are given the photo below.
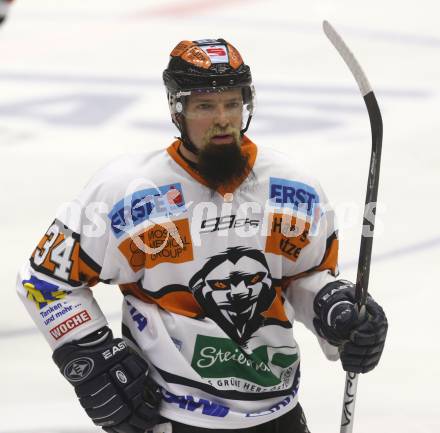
<point x="125" y="175"/>
<point x="281" y="169"/>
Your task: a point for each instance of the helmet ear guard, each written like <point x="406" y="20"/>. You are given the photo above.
<point x="176" y="109"/>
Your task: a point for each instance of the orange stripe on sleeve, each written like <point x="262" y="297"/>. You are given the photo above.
<point x="329" y="262"/>
<point x="178" y="302"/>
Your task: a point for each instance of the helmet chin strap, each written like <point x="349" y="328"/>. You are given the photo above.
<point x="247" y="125"/>
<point x="186" y="143"/>
<point x="184" y="138"/>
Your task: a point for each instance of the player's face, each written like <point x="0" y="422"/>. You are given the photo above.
<point x="214" y="118"/>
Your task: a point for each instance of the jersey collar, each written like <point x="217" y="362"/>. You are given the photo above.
<point x="247" y="146"/>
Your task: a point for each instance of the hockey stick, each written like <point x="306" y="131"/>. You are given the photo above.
<point x="363" y="271"/>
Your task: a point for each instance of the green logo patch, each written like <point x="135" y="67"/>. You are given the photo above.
<point x="222" y="358"/>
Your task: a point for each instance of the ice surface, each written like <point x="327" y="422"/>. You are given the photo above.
<point x="80" y="84"/>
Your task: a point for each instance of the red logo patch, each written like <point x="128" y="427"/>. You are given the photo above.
<point x="70" y="324"/>
<point x="218" y="51"/>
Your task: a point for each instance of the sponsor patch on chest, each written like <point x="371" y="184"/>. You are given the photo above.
<point x="295" y="195"/>
<point x="162" y="243"/>
<point x="226" y="364"/>
<point x="147" y="204"/>
<point x="287" y="236"/>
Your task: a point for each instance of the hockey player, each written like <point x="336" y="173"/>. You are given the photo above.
<point x="218" y="246"/>
<point x="4" y="9"/>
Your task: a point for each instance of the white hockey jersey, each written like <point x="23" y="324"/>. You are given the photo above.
<point x="212" y="280"/>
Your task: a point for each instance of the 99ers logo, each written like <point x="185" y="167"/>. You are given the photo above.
<point x="226" y="222"/>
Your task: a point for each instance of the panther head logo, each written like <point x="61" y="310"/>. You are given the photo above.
<point x="234" y="288"/>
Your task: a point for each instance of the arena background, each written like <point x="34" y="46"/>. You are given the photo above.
<point x="80" y="84"/>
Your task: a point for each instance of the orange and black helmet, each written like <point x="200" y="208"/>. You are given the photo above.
<point x="206" y="65"/>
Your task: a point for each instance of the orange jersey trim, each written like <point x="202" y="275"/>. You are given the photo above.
<point x="276" y="310"/>
<point x="182" y="303"/>
<point x="247" y="147"/>
<point x="329" y="262"/>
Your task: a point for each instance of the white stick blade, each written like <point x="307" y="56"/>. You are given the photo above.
<point x="348" y="57"/>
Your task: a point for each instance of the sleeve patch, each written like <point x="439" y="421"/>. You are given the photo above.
<point x="59" y="256"/>
<point x="70" y="324"/>
<point x="42" y="292"/>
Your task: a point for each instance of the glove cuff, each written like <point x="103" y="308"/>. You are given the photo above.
<point x="332" y="293"/>
<point x="335" y="311"/>
<point x="101" y="336"/>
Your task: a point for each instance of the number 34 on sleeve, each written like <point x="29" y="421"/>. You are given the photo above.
<point x="59" y="255"/>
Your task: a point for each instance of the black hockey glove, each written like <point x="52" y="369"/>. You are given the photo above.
<point x="360" y="340"/>
<point x="111" y="382"/>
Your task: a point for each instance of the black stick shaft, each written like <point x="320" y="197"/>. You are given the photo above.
<point x="369" y="216"/>
<point x="363" y="272"/>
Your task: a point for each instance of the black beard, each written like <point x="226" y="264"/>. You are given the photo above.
<point x="221" y="164"/>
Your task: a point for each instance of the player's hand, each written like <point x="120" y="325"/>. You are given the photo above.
<point x="359" y="337"/>
<point x="111" y="382"/>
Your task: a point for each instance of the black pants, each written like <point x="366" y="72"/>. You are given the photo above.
<point x="292" y="422"/>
